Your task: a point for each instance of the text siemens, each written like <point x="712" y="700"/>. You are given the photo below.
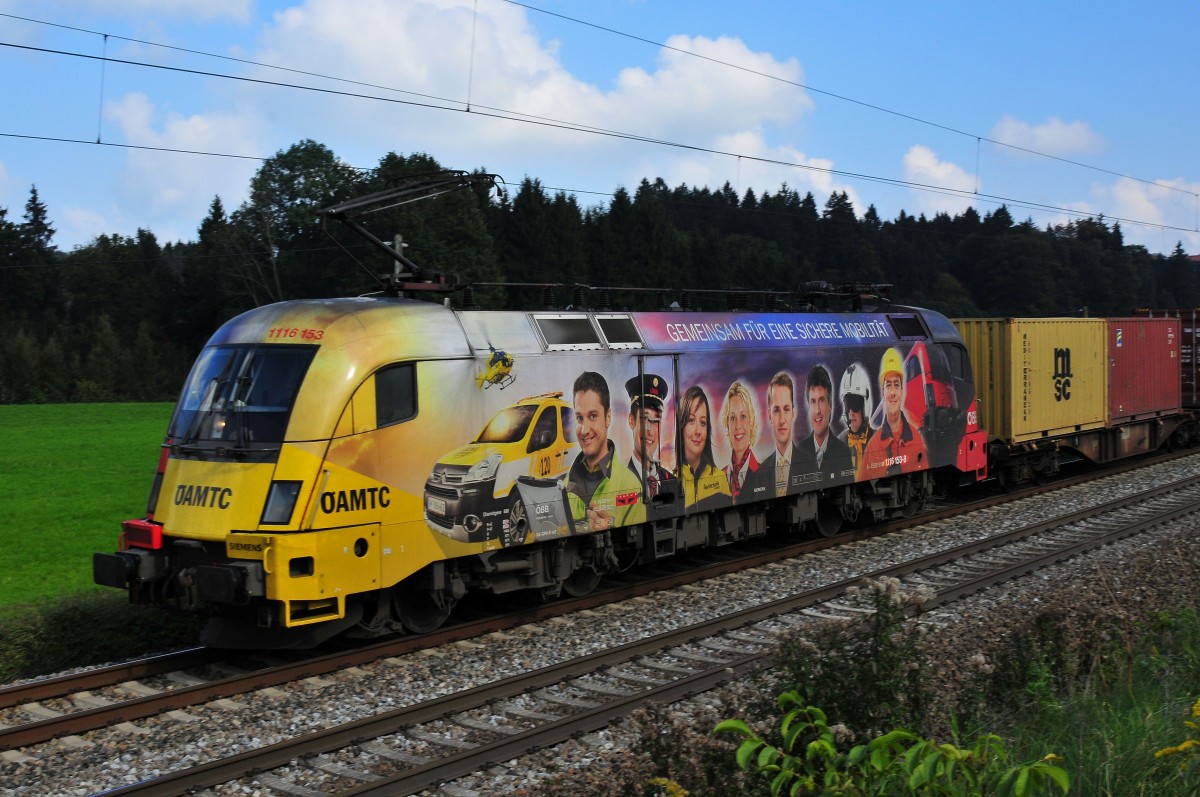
<point x="355" y="500"/>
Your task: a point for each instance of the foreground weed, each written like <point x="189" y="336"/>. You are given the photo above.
<point x="808" y="762"/>
<point x="868" y="674"/>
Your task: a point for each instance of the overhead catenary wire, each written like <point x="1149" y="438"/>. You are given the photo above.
<point x="449" y="104"/>
<point x="836" y="96"/>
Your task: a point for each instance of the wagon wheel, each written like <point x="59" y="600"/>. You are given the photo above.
<point x="913" y="505"/>
<point x="518" y="521"/>
<point x="1040" y="471"/>
<point x="828" y="521"/>
<point x="1006" y="479"/>
<point x="422" y="610"/>
<point x="581" y="582"/>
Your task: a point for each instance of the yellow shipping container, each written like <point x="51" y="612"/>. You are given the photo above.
<point x="1038" y="377"/>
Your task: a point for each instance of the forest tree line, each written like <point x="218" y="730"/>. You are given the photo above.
<point x="122" y="318"/>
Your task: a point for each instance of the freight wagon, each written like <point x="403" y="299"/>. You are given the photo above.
<point x="1057" y="388"/>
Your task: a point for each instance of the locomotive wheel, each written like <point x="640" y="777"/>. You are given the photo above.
<point x="829" y="519"/>
<point x="581" y="582"/>
<point x="518" y="523"/>
<point x="422" y="611"/>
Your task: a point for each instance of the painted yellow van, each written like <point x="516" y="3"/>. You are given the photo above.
<point x="471" y="494"/>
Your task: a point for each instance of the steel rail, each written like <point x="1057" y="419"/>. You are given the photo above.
<point x="46" y="688"/>
<point x="427" y="775"/>
<point x="137" y="708"/>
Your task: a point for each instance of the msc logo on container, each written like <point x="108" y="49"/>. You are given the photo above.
<point x="1062" y="374"/>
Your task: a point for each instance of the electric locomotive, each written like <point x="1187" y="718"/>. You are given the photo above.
<point x="357" y="466"/>
<point x="322" y="471"/>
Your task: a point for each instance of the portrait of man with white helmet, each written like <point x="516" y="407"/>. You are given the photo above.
<point x="855" y="397"/>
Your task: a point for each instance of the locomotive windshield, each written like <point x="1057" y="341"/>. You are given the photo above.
<point x="509" y="426"/>
<point x="240" y="395"/>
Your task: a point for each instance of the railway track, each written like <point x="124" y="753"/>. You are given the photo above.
<point x="414" y="747"/>
<point x="38" y="711"/>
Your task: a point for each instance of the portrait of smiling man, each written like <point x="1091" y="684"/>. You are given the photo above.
<point x="822" y="451"/>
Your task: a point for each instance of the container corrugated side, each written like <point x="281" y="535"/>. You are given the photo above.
<point x="986" y="344"/>
<point x="1143" y="368"/>
<point x="1038" y="377"/>
<point x="1189" y="349"/>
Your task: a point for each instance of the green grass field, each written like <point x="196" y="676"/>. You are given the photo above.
<point x="70" y="473"/>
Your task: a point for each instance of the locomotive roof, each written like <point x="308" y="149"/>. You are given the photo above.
<point x="410" y="328"/>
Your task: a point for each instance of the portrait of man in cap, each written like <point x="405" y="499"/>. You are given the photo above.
<point x="647" y="399"/>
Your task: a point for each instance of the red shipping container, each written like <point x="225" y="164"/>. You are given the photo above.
<point x="1143" y="368"/>
<point x="1189" y="341"/>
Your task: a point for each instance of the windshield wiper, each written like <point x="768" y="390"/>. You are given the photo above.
<point x="239" y="410"/>
<point x="193" y="429"/>
<point x="239" y="451"/>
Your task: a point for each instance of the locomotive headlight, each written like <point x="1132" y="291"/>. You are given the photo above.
<point x="280" y="502"/>
<point x="484" y="469"/>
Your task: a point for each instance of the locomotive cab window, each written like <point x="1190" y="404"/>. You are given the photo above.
<point x="908" y="327"/>
<point x="241" y="395"/>
<point x="395" y="394"/>
<point x="567" y="332"/>
<point x="960" y="364"/>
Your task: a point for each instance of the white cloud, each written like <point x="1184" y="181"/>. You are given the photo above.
<point x="694" y="98"/>
<point x="1172" y="204"/>
<point x="170" y="192"/>
<point x="445" y="55"/>
<point x="81" y="224"/>
<point x="763" y="168"/>
<point x="921" y="165"/>
<point x="1052" y="137"/>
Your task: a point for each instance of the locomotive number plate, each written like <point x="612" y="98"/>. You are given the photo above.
<point x="436" y="505"/>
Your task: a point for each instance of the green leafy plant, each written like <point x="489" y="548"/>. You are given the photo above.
<point x="808" y="762"/>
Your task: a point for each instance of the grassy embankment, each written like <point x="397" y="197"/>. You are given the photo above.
<point x="70" y="473"/>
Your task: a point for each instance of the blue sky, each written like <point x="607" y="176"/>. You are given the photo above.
<point x="1059" y="109"/>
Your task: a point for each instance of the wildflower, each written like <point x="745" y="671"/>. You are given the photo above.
<point x="669" y="788"/>
<point x="842" y="734"/>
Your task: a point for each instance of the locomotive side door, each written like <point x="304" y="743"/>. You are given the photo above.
<point x="653" y="393"/>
